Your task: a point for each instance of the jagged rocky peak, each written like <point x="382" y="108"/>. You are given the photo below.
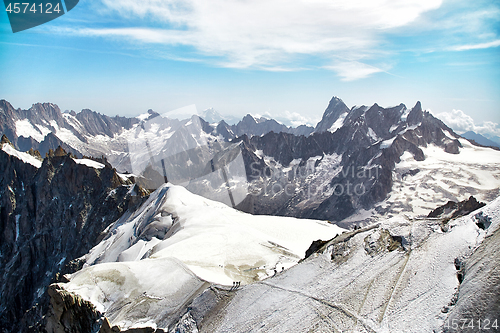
<point x="258" y="126"/>
<point x="249" y="119"/>
<point x="416" y="115"/>
<point x="45" y="111"/>
<point x="98" y="124"/>
<point x="225" y="130"/>
<point x="35" y="153"/>
<point x="454" y="209"/>
<point x="60" y="152"/>
<point x="336" y="108"/>
<point x="381" y="120"/>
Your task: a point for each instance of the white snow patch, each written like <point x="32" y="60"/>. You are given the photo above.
<point x="338" y="123"/>
<point x="44" y="130"/>
<point x="126" y="176"/>
<point x="383" y="291"/>
<point x="448" y="134"/>
<point x="372" y="134"/>
<point x="387" y="143"/>
<point x="259" y="153"/>
<point x="151" y="256"/>
<point x="89" y="163"/>
<point x="405" y="114"/>
<point x="26" y="129"/>
<point x="73" y="121"/>
<point x="25" y="157"/>
<point x="442" y="177"/>
<point x="143" y="116"/>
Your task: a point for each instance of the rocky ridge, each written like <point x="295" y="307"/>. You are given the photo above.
<point x="50" y="216"/>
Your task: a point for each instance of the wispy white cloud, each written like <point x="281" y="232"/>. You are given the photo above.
<point x="353" y="70"/>
<point x="461" y="122"/>
<point x="271" y="34"/>
<point x="487" y="45"/>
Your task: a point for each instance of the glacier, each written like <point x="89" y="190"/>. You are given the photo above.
<point x="176" y="245"/>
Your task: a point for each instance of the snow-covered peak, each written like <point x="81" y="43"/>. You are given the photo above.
<point x="211" y="116"/>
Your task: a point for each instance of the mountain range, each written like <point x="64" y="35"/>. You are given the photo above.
<point x="478" y="138"/>
<point x="308" y="170"/>
<point x="120" y="206"/>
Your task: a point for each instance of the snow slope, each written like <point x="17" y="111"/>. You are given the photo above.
<point x="191" y="240"/>
<point x="25" y="157"/>
<point x="360" y="285"/>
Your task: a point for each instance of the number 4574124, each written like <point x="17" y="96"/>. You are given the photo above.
<point x="485" y="324"/>
<point x="27" y="7"/>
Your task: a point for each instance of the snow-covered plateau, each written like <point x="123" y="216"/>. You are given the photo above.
<point x="157" y="260"/>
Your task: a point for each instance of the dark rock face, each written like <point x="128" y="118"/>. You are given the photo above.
<point x="456" y="209"/>
<point x="315" y="246"/>
<point x="8" y="116"/>
<point x="250" y="126"/>
<point x="50" y="142"/>
<point x="48" y="217"/>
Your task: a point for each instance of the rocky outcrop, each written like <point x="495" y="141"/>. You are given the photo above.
<point x="48" y="217"/>
<point x="456" y="209"/>
<point x="251" y="126"/>
<point x="70" y="313"/>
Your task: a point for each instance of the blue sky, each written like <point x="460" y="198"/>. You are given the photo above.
<point x="282" y="58"/>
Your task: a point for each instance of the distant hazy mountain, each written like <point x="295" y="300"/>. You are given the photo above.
<point x="480" y="139"/>
<point x="212" y="116"/>
<point x="492" y="137"/>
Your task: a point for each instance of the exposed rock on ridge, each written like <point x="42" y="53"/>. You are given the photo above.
<point x="48" y="217"/>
